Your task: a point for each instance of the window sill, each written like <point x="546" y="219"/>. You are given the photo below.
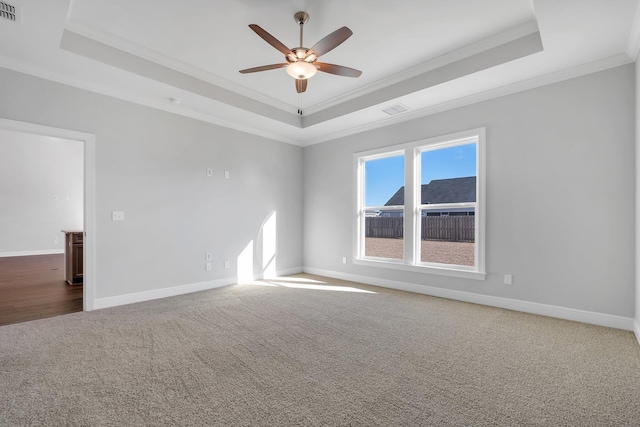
<point x="441" y="271"/>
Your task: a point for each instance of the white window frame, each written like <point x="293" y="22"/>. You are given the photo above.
<point x="413" y="208"/>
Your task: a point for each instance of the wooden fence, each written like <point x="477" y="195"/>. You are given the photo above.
<point x="447" y="228"/>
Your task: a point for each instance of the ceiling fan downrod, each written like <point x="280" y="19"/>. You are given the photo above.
<point x="301" y="18"/>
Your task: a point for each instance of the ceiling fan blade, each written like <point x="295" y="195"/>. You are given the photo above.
<point x="263" y="68"/>
<point x="337" y="69"/>
<point x="301" y="85"/>
<point x="331" y="41"/>
<point x="270" y="39"/>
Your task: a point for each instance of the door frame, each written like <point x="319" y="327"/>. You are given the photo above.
<point x="89" y="141"/>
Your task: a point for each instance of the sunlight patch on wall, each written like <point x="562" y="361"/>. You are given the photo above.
<point x="245" y="264"/>
<point x="269" y="246"/>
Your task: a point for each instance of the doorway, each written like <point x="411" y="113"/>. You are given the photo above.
<point x="59" y="177"/>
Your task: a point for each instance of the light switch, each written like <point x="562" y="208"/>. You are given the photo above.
<point x="209" y="172"/>
<point x="117" y="216"/>
<point x="226" y="174"/>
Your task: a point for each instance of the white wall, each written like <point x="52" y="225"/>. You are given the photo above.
<point x="40" y="192"/>
<point x="152" y="165"/>
<point x="560" y="195"/>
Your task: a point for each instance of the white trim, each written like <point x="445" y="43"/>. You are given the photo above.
<point x="134" y="49"/>
<point x="179" y="290"/>
<point x="500" y="91"/>
<point x="89" y="241"/>
<point x="279" y="273"/>
<point x="88" y="140"/>
<point x="482" y="46"/>
<point x="32" y="253"/>
<point x="151" y="103"/>
<point x="521" y="86"/>
<point x="412" y="151"/>
<point x="601" y="319"/>
<point x="421" y="268"/>
<point x="290" y="271"/>
<point x="636" y="329"/>
<point x="162" y="293"/>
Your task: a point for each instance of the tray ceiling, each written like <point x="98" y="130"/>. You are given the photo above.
<point x="426" y="55"/>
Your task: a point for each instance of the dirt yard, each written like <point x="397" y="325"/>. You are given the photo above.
<point x="459" y="253"/>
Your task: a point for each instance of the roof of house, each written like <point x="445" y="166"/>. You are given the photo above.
<point x="452" y="190"/>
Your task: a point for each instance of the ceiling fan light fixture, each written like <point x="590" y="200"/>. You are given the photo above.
<point x="301" y="61"/>
<point x="301" y="70"/>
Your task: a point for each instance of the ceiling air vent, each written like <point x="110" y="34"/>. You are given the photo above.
<point x="8" y="11"/>
<point x="395" y="109"/>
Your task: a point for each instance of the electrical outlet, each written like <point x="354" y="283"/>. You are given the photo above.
<point x="208" y="256"/>
<point x="344" y="259"/>
<point x="55" y="240"/>
<point x="508" y="279"/>
<point x="226" y="264"/>
<point x="117" y="216"/>
<point x="208" y="266"/>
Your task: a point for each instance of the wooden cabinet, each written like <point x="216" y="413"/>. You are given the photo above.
<point x="73" y="251"/>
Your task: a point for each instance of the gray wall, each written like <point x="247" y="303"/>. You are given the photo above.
<point x="152" y="165"/>
<point x="637" y="219"/>
<point x="40" y="192"/>
<point x="560" y="194"/>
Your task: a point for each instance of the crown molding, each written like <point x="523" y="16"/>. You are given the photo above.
<point x="555" y="77"/>
<point x="580" y="70"/>
<point x="160" y="59"/>
<point x="129" y="97"/>
<point x="483" y="45"/>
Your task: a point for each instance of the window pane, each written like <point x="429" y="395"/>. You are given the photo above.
<point x="384" y="181"/>
<point x="384" y="237"/>
<point x="448" y="175"/>
<point x="448" y="236"/>
<point x="384" y="228"/>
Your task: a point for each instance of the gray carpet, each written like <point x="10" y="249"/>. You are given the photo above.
<point x="281" y="355"/>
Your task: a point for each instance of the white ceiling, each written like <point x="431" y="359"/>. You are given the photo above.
<point x="428" y="55"/>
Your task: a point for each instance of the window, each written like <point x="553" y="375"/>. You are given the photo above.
<point x="420" y="206"/>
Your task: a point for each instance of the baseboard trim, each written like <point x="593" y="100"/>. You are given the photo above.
<point x="31" y="253"/>
<point x="177" y="290"/>
<point x="601" y="319"/>
<point x="161" y="293"/>
<point x="636" y="329"/>
<point x="287" y="272"/>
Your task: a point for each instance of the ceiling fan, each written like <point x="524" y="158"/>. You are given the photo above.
<point x="302" y="62"/>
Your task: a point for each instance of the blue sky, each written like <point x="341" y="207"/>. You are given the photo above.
<point x="383" y="177"/>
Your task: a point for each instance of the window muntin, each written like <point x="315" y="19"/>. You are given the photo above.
<point x="426" y="161"/>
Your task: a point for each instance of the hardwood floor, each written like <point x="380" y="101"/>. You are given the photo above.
<point x="33" y="287"/>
